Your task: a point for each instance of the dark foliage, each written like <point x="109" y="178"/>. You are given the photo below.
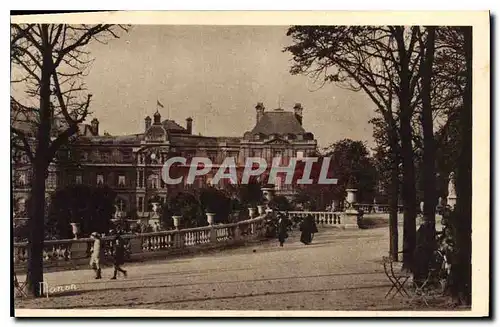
<point x="91" y="207"/>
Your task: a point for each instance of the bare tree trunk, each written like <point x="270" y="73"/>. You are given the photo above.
<point x="462" y="266"/>
<point x="40" y="166"/>
<point x="393" y="198"/>
<point x="429" y="155"/>
<point x="393" y="209"/>
<point x="408" y="189"/>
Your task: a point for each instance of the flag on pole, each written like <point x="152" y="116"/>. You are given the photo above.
<point x="159" y="104"/>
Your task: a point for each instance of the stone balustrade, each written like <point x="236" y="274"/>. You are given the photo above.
<point x="375" y="208"/>
<point x="139" y="246"/>
<point x="320" y="217"/>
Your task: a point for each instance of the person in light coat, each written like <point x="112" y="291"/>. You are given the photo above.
<point x="97" y="253"/>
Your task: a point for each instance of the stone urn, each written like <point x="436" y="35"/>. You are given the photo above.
<point x="75" y="228"/>
<point x="177" y="221"/>
<point x="210" y="218"/>
<point x="351" y="201"/>
<point x="251" y="212"/>
<point x="260" y="209"/>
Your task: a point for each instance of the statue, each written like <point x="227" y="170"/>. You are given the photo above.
<point x="452" y="196"/>
<point x="117" y="212"/>
<point x="451" y="185"/>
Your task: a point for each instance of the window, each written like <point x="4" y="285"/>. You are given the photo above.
<point x="78" y="179"/>
<point x="121" y="180"/>
<point x="300" y="155"/>
<point x="141" y="178"/>
<point x="100" y="179"/>
<point x="140" y="203"/>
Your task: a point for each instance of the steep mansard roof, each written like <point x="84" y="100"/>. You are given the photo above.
<point x="278" y="122"/>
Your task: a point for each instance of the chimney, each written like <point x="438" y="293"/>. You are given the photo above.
<point x="260" y="110"/>
<point x="189" y="125"/>
<point x="94" y="125"/>
<point x="298" y="112"/>
<point x="147" y="122"/>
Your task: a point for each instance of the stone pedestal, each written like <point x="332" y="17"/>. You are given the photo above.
<point x="79" y="250"/>
<point x="135" y="245"/>
<point x="179" y="239"/>
<point x="349" y="220"/>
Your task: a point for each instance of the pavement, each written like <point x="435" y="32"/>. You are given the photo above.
<point x="340" y="270"/>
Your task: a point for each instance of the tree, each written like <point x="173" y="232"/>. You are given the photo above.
<point x="383" y="62"/>
<point x="215" y="201"/>
<point x="183" y="204"/>
<point x="91" y="207"/>
<point x="353" y="167"/>
<point x="250" y="194"/>
<point x="280" y="203"/>
<point x="48" y="62"/>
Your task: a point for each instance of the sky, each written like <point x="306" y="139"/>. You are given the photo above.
<point x="216" y="75"/>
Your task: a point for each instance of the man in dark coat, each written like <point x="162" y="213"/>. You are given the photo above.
<point x="283" y="224"/>
<point x="118" y="256"/>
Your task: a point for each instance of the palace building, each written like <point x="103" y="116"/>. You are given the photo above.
<point x="132" y="164"/>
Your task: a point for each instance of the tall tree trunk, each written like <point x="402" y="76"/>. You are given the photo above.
<point x="40" y="166"/>
<point x="462" y="267"/>
<point x="393" y="201"/>
<point x="409" y="194"/>
<point x="429" y="155"/>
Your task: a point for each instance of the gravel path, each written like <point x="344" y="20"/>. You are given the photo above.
<point x="341" y="270"/>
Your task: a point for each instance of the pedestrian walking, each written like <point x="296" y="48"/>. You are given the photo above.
<point x="283" y="224"/>
<point x="97" y="253"/>
<point x="308" y="228"/>
<point x="118" y="256"/>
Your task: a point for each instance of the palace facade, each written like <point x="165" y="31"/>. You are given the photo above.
<point x="132" y="164"/>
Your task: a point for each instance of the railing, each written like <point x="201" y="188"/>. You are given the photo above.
<point x="376" y="208"/>
<point x="320" y="217"/>
<point x="63" y="251"/>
